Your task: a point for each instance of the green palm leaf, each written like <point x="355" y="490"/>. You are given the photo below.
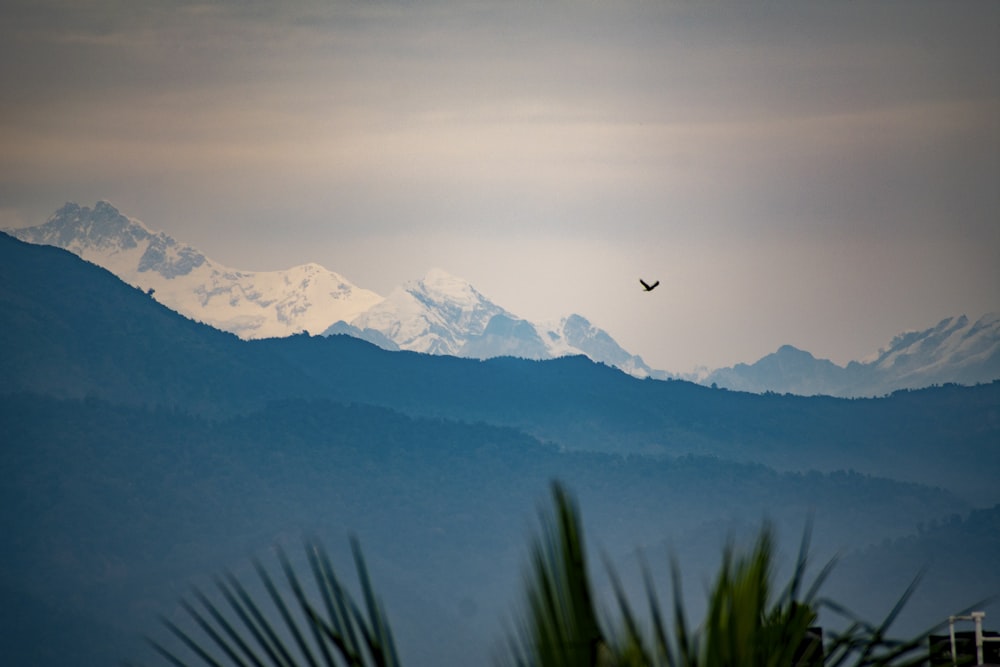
<point x="750" y="622"/>
<point x="339" y="632"/>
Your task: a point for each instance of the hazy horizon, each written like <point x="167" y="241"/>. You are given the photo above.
<point x="813" y="174"/>
<point x="698" y="369"/>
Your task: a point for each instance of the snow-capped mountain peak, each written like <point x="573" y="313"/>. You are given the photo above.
<point x="445" y="286"/>
<point x="435" y="314"/>
<point x="439" y="313"/>
<point x="955" y="350"/>
<point x="455" y="300"/>
<point x="249" y="304"/>
<point x="104" y="236"/>
<point x="74" y="226"/>
<point x="953" y="342"/>
<point x="574" y="334"/>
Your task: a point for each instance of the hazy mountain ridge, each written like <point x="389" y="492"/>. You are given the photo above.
<point x="249" y="304"/>
<point x="120" y="491"/>
<point x="954" y="344"/>
<point x="434" y="315"/>
<point x="954" y="573"/>
<point x="145" y="500"/>
<point x="956" y="350"/>
<point x="443" y="314"/>
<point x="437" y="314"/>
<point x="73" y="329"/>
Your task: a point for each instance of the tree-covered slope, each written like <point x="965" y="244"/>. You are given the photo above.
<point x="109" y="511"/>
<point x="71" y="329"/>
<point x="141" y="450"/>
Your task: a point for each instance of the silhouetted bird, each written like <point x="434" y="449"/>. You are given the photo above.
<point x="647" y="286"/>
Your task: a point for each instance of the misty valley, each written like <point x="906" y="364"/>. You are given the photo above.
<point x="144" y="453"/>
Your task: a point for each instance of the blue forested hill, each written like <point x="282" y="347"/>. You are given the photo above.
<point x="940" y="435"/>
<point x="72" y="329"/>
<point x="957" y="557"/>
<point x="110" y="511"/>
<point x="142" y="451"/>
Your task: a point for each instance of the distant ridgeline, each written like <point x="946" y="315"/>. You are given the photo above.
<point x="445" y="315"/>
<point x="956" y="350"/>
<point x="143" y="451"/>
<point x="437" y="314"/>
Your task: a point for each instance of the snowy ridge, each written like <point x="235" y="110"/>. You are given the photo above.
<point x="249" y="304"/>
<point x="444" y="314"/>
<point x="437" y="314"/>
<point x="935" y="353"/>
<point x="955" y="350"/>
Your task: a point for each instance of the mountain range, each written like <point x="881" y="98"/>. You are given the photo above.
<point x="956" y="350"/>
<point x="143" y="452"/>
<point x="445" y="315"/>
<point x="437" y="314"/>
<point x="73" y="330"/>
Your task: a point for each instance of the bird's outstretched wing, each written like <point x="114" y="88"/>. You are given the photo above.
<point x="647" y="286"/>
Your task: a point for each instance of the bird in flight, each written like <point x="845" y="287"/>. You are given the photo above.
<point x="646" y="286"/>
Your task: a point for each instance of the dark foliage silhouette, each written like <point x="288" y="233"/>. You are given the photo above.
<point x="750" y="622"/>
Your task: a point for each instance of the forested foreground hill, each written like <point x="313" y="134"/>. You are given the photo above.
<point x="110" y="511"/>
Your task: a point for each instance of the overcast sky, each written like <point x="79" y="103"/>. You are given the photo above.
<point x="820" y="174"/>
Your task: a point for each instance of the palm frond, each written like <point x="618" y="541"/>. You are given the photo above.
<point x="749" y="622"/>
<point x="561" y="628"/>
<point x="863" y="644"/>
<point x="338" y="632"/>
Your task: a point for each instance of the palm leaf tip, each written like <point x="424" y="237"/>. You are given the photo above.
<point x="337" y="632"/>
<point x="559" y="624"/>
